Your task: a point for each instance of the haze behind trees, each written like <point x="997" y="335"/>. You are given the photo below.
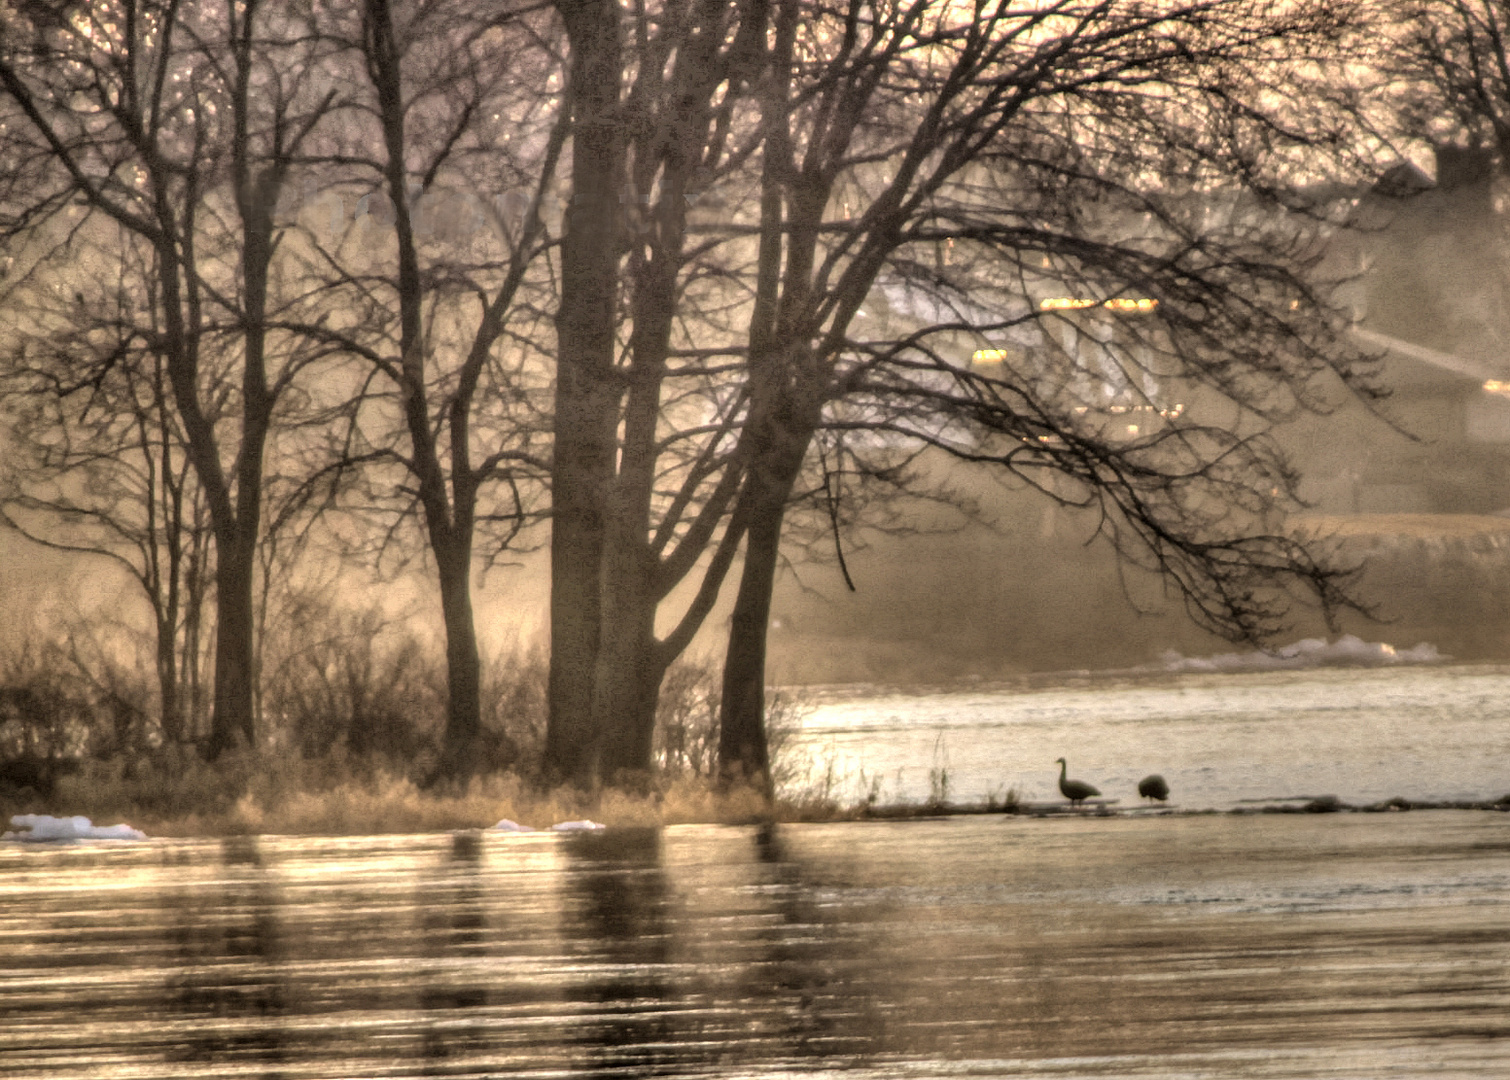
<point x="663" y="289"/>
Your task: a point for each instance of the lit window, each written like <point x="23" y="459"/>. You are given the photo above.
<point x="1074" y="303"/>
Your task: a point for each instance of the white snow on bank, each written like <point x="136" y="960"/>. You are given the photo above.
<point x="39" y="827"/>
<point x="1346" y="651"/>
<point x="561" y="826"/>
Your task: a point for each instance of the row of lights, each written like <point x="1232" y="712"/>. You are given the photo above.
<point x="1172" y="413"/>
<point x="1120" y="303"/>
<point x="1071" y="303"/>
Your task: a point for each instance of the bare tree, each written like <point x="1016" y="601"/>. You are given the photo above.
<point x="586" y="408"/>
<point x="183" y="125"/>
<point x="1450" y="68"/>
<point x="988" y="177"/>
<point x="648" y="450"/>
<point x="948" y="167"/>
<point x="448" y="293"/>
<point x="784" y="220"/>
<point x="96" y="459"/>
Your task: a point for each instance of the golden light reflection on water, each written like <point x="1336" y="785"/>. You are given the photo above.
<point x="1181" y="946"/>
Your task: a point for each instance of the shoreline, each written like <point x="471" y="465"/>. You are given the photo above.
<point x="1300" y="804"/>
<point x="173" y="830"/>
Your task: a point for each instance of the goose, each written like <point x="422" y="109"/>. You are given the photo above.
<point x="1153" y="787"/>
<point x="1076" y="791"/>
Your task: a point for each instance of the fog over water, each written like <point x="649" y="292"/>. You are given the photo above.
<point x="983" y="604"/>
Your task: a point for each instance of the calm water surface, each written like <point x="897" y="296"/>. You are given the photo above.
<point x="1175" y="946"/>
<point x="1432" y="734"/>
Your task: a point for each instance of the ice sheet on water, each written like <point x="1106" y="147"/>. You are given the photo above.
<point x="1346" y="651"/>
<point x="39" y="827"/>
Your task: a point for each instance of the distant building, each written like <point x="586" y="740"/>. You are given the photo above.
<point x="1429" y="291"/>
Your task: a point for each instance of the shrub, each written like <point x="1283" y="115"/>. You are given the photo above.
<point x="686" y="735"/>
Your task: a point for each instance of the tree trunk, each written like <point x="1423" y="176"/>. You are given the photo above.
<point x="743" y="751"/>
<point x="587" y="392"/>
<point x="463" y="734"/>
<point x="583" y="463"/>
<point x="167" y="678"/>
<point x="231" y="720"/>
<point x="191" y="670"/>
<point x="628" y="676"/>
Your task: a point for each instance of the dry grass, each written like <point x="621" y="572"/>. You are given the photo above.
<point x="242" y="795"/>
<point x="350" y="730"/>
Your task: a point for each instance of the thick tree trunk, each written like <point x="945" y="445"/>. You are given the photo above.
<point x="231" y="720"/>
<point x="628" y="675"/>
<point x="237" y="530"/>
<point x="743" y="750"/>
<point x="581" y="468"/>
<point x="463" y="734"/>
<point x="587" y="392"/>
<point x="167" y="680"/>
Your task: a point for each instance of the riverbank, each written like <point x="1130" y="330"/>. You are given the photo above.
<point x="246" y="795"/>
<point x="289" y="800"/>
<point x="1302" y="804"/>
<point x="292" y="801"/>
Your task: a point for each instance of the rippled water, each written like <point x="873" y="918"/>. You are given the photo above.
<point x="1432" y="734"/>
<point x="1200" y="946"/>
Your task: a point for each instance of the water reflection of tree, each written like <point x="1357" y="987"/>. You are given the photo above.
<point x="229" y="946"/>
<point x="817" y="989"/>
<point x="733" y="957"/>
<point x="453" y="924"/>
<point x="617" y="921"/>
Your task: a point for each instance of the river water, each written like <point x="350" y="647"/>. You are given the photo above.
<point x="1137" y="945"/>
<point x="1222" y="740"/>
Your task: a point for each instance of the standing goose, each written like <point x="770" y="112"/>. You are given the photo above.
<point x="1153" y="787"/>
<point x="1076" y="791"/>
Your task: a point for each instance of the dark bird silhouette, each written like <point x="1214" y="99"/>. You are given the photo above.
<point x="1076" y="791"/>
<point x="1153" y="787"/>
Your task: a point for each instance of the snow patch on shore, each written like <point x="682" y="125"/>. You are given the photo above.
<point x="561" y="826"/>
<point x="44" y="827"/>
